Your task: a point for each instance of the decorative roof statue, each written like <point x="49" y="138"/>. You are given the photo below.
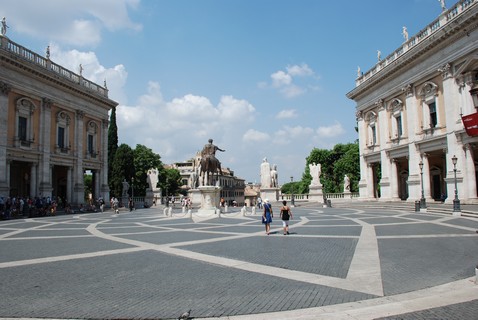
<point x="4" y="26"/>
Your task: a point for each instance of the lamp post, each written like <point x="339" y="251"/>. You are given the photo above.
<point x="423" y="203"/>
<point x="292" y="200"/>
<point x="132" y="191"/>
<point x="456" y="201"/>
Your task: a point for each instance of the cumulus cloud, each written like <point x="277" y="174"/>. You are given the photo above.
<point x="76" y="22"/>
<point x="287" y="114"/>
<point x="284" y="80"/>
<point x="331" y="131"/>
<point x="93" y="70"/>
<point x="252" y="135"/>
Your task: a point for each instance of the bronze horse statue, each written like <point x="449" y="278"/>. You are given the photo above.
<point x="209" y="165"/>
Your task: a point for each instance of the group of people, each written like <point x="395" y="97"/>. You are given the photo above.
<point x="268" y="214"/>
<point x="17" y="207"/>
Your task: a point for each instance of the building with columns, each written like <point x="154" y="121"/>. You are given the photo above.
<point x="409" y="109"/>
<point x="53" y="128"/>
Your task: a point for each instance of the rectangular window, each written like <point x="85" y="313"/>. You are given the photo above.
<point x="399" y="126"/>
<point x="22" y="128"/>
<point x="90" y="144"/>
<point x="433" y="115"/>
<point x="61" y="137"/>
<point x="374" y="136"/>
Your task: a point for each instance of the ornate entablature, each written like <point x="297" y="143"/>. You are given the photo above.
<point x="428" y="89"/>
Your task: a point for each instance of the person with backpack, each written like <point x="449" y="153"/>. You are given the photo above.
<point x="285" y="215"/>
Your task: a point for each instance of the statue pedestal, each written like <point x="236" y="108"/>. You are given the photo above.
<point x="270" y="193"/>
<point x="209" y="200"/>
<point x="316" y="194"/>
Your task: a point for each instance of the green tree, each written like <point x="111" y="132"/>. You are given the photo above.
<point x="335" y="164"/>
<point x="144" y="159"/>
<point x="170" y="181"/>
<point x="121" y="168"/>
<point x="112" y="145"/>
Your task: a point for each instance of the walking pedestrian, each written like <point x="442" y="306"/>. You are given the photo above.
<point x="267" y="216"/>
<point x="285" y="215"/>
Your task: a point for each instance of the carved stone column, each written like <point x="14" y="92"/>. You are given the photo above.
<point x="4" y="91"/>
<point x="470" y="177"/>
<point x="79" y="187"/>
<point x="45" y="187"/>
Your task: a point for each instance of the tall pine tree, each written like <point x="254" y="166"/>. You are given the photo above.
<point x="112" y="144"/>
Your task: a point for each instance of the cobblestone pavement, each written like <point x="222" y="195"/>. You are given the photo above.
<point x="337" y="263"/>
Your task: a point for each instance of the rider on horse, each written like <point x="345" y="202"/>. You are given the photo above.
<point x="209" y="162"/>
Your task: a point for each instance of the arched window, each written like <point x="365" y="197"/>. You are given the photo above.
<point x="62" y="132"/>
<point x="395" y="108"/>
<point x="371" y="120"/>
<point x="91" y="134"/>
<point x="24" y="134"/>
<point x="430" y="115"/>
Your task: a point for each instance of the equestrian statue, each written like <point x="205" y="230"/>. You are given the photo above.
<point x="209" y="164"/>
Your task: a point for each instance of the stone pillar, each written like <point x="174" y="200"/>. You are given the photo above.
<point x="103" y="174"/>
<point x="383" y="133"/>
<point x="69" y="184"/>
<point x="371" y="182"/>
<point x="79" y="187"/>
<point x="426" y="177"/>
<point x="33" y="180"/>
<point x="4" y="186"/>
<point x="394" y="182"/>
<point x="470" y="177"/>
<point x="414" y="187"/>
<point x="45" y="186"/>
<point x="362" y="130"/>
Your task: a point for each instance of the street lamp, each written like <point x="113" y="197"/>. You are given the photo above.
<point x="292" y="200"/>
<point x="423" y="203"/>
<point x="456" y="201"/>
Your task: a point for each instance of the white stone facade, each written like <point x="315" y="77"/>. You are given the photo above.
<point x="53" y="128"/>
<point x="409" y="108"/>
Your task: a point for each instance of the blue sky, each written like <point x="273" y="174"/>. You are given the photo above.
<point x="263" y="78"/>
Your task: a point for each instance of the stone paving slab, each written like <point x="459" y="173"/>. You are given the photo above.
<point x="143" y="265"/>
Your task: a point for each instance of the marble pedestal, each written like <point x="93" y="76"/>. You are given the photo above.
<point x="270" y="193"/>
<point x="316" y="194"/>
<point x="209" y="200"/>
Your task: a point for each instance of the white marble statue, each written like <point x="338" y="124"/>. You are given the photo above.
<point x="265" y="174"/>
<point x="125" y="188"/>
<point x="274" y="178"/>
<point x="152" y="179"/>
<point x="346" y="184"/>
<point x="315" y="172"/>
<point x="405" y="33"/>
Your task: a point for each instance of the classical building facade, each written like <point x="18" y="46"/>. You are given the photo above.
<point x="53" y="128"/>
<point x="409" y="109"/>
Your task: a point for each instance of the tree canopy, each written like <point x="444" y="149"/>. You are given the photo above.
<point x="343" y="159"/>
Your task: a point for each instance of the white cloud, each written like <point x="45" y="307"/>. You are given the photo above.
<point x="280" y="78"/>
<point x="76" y="22"/>
<point x="287" y="114"/>
<point x="284" y="80"/>
<point x="331" y="131"/>
<point x="252" y="135"/>
<point x="93" y="70"/>
<point x="302" y="70"/>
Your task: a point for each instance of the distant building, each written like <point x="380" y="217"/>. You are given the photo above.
<point x="409" y="112"/>
<point x="53" y="128"/>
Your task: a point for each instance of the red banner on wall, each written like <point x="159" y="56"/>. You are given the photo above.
<point x="470" y="122"/>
